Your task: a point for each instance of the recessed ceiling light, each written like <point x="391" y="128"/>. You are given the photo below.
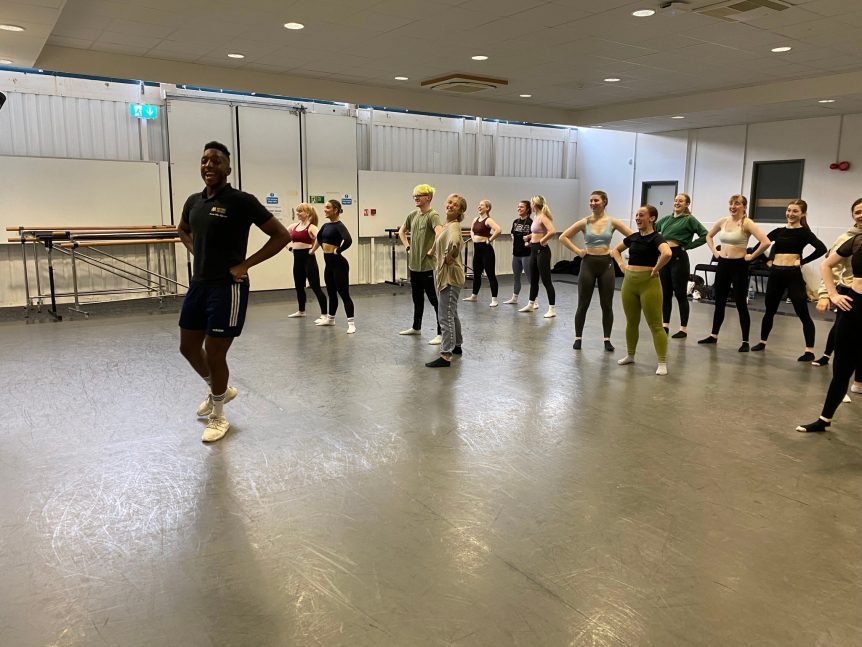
<point x="611" y="80"/>
<point x="11" y="28"/>
<point x="643" y="13"/>
<point x="5" y="61"/>
<point x="236" y="55"/>
<point x="479" y="58"/>
<point x="826" y="101"/>
<point x="778" y="50"/>
<point x="294" y="25"/>
<point x="677" y="117"/>
<point x="525" y="96"/>
<point x="401" y="78"/>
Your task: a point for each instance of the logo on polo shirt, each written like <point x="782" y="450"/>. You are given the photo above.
<point x="218" y="212"/>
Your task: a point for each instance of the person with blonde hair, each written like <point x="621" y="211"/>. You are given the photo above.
<point x="302" y="237"/>
<point x="541" y="231"/>
<point x="484" y="231"/>
<point x="732" y="269"/>
<point x="597" y="265"/>
<point x="520" y="252"/>
<point x="423" y="225"/>
<point x="449" y="279"/>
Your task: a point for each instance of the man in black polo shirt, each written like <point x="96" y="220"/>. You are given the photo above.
<point x="214" y="227"/>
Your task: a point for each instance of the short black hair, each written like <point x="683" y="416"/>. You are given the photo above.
<point x="218" y="146"/>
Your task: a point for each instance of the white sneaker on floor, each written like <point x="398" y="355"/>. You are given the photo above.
<point x="329" y="321"/>
<point x="628" y="359"/>
<point x="206" y="407"/>
<point x="552" y="312"/>
<point x="351" y="328"/>
<point x="320" y="319"/>
<point x="471" y="298"/>
<point x="855" y="389"/>
<point x="661" y="370"/>
<point x="410" y="331"/>
<point x="493" y="303"/>
<point x="846" y="398"/>
<point x="436" y="341"/>
<point x="530" y="307"/>
<point x="513" y="300"/>
<point x="217" y="427"/>
<point x="298" y="313"/>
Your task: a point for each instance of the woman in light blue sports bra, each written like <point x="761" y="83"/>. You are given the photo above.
<point x="596" y="264"/>
<point x="733" y="259"/>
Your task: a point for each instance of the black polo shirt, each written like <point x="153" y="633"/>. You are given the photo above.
<point x="220" y="227"/>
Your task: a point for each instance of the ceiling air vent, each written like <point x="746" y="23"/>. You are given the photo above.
<point x="463" y="83"/>
<point x="743" y="10"/>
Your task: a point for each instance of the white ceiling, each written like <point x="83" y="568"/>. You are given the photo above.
<point x="559" y="51"/>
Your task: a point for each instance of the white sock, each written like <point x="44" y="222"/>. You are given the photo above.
<point x="662" y="369"/>
<point x="628" y="359"/>
<point x="218" y="404"/>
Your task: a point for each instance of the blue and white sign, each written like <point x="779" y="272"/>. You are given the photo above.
<point x="346" y="200"/>
<point x="272" y="199"/>
<point x="142" y="111"/>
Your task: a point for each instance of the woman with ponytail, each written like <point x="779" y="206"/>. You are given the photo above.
<point x="542" y="230"/>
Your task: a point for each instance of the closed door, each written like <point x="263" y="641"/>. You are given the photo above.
<point x="660" y="196"/>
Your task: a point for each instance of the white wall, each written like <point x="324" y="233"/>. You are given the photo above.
<point x="606" y="162"/>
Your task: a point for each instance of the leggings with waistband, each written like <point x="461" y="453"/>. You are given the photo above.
<point x="337" y="277"/>
<point x="731" y="271"/>
<point x="848" y="355"/>
<point x="596" y="269"/>
<point x="305" y="269"/>
<point x="540" y="268"/>
<point x="791" y="280"/>
<point x="642" y="293"/>
<point x="674" y="283"/>
<point x="484" y="260"/>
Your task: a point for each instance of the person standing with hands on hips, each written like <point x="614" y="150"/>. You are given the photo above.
<point x="484" y="231"/>
<point x="520" y="252"/>
<point x="423" y="225"/>
<point x="214" y="228"/>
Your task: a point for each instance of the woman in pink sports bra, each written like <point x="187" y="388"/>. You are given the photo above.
<point x="302" y="236"/>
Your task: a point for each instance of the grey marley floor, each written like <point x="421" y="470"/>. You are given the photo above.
<point x="527" y="496"/>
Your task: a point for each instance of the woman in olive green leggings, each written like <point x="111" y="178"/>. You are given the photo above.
<point x="641" y="291"/>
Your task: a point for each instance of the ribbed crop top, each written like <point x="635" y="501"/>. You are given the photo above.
<point x="537" y="227"/>
<point x="335" y="233"/>
<point x="853" y="248"/>
<point x="792" y="241"/>
<point x="481" y="228"/>
<point x="598" y="240"/>
<point x="298" y="235"/>
<point x="735" y="237"/>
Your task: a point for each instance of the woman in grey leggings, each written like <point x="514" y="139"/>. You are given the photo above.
<point x="520" y="251"/>
<point x="596" y="264"/>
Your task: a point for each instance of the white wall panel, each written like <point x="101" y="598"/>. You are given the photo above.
<point x="605" y="162"/>
<point x="659" y="158"/>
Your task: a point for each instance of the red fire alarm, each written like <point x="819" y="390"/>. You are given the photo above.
<point x="839" y="166"/>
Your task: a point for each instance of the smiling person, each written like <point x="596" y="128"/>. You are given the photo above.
<point x="541" y="231"/>
<point x="423" y="225"/>
<point x="733" y="260"/>
<point x="334" y="238"/>
<point x="520" y="251"/>
<point x="848" y="343"/>
<point x="302" y="235"/>
<point x="449" y="279"/>
<point x="484" y="231"/>
<point x="641" y="291"/>
<point x="214" y="228"/>
<point x="597" y="266"/>
<point x="683" y="232"/>
<point x="785" y="274"/>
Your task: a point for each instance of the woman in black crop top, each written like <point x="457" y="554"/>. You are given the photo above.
<point x="334" y="238"/>
<point x="785" y="274"/>
<point x="848" y="342"/>
<point x="484" y="231"/>
<point x="641" y="291"/>
<point x="520" y="250"/>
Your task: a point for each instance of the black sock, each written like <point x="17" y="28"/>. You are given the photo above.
<point x="743" y="348"/>
<point x="818" y="425"/>
<point x="457" y="351"/>
<point x="758" y="347"/>
<point x="708" y="340"/>
<point x="577" y="344"/>
<point x="807" y="356"/>
<point x="680" y="334"/>
<point x="609" y="346"/>
<point x="823" y="361"/>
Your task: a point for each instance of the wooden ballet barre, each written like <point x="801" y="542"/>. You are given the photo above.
<point x="109" y="243"/>
<point x="94" y="228"/>
<point x="32" y="238"/>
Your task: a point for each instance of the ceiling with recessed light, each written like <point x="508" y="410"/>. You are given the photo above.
<point x="560" y="52"/>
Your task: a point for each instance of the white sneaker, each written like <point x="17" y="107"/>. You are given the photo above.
<point x="329" y="321"/>
<point x="513" y="300"/>
<point x="410" y="331"/>
<point x="855" y="389"/>
<point x="471" y="298"/>
<point x="351" y="328"/>
<point x="217" y="427"/>
<point x="530" y="307"/>
<point x="320" y="319"/>
<point x="493" y="303"/>
<point x="436" y="341"/>
<point x="628" y="359"/>
<point x="661" y="370"/>
<point x="552" y="312"/>
<point x="298" y="313"/>
<point x="206" y="407"/>
<point x="846" y="398"/>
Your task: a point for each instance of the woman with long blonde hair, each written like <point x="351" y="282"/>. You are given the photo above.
<point x="541" y="231"/>
<point x="302" y="237"/>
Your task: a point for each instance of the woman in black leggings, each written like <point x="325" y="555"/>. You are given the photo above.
<point x="302" y="235"/>
<point x="335" y="239"/>
<point x="848" y="344"/>
<point x="542" y="230"/>
<point x="484" y="231"/>
<point x="683" y="232"/>
<point x="785" y="274"/>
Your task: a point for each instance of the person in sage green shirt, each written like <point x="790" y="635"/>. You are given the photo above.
<point x="423" y="225"/>
<point x="678" y="229"/>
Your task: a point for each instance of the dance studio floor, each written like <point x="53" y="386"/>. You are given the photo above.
<point x="529" y="495"/>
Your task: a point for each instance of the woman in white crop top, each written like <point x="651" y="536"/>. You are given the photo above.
<point x="733" y="259"/>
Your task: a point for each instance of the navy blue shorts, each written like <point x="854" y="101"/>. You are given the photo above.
<point x="218" y="309"/>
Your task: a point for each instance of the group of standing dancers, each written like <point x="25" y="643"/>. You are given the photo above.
<point x="215" y="225"/>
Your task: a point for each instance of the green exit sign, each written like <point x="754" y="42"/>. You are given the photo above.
<point x="142" y="111"/>
<point x="316" y="199"/>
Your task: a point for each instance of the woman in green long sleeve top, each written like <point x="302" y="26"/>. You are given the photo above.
<point x="683" y="232"/>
